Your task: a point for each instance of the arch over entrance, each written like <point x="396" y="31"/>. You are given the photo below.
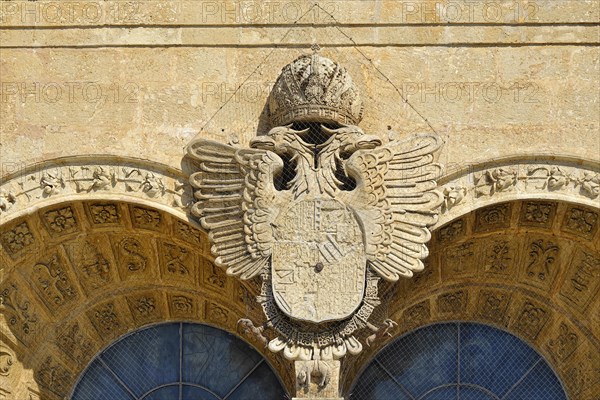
<point x="178" y="361"/>
<point x="80" y="274"/>
<point x="458" y="360"/>
<point x="525" y="267"/>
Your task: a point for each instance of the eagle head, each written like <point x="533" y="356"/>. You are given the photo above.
<point x="351" y="138"/>
<point x="277" y="140"/>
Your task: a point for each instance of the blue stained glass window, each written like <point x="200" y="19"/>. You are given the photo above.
<point x="179" y="361"/>
<point x="458" y="361"/>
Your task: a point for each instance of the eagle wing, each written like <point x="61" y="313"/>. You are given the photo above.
<point x="235" y="195"/>
<point x="397" y="200"/>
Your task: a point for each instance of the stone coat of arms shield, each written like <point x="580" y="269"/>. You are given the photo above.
<point x="319" y="263"/>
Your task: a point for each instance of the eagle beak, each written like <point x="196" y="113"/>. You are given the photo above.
<point x="367" y="142"/>
<point x="263" y="143"/>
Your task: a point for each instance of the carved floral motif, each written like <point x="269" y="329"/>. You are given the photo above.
<point x="146" y="218"/>
<point x="417" y="314"/>
<point x="459" y="257"/>
<point x="452" y="231"/>
<point x="145" y="182"/>
<point x="522" y="178"/>
<point x="102" y="178"/>
<point x="538" y="213"/>
<point x="7" y="200"/>
<point x="6" y="361"/>
<point x="51" y="184"/>
<point x="182" y="306"/>
<point x="583" y="279"/>
<point x="60" y="221"/>
<point x="542" y="254"/>
<point x="581" y="221"/>
<point x="52" y="283"/>
<point x="105" y="319"/>
<point x="548" y="177"/>
<point x="182" y="199"/>
<point x="583" y="373"/>
<point x="75" y="344"/>
<point x="145" y="306"/>
<point x="17" y="238"/>
<point x="493" y="217"/>
<point x="187" y="233"/>
<point x="214" y="276"/>
<point x="93" y="267"/>
<point x="452" y="196"/>
<point x="590" y="184"/>
<point x="423" y="279"/>
<point x="216" y="313"/>
<point x="104" y="214"/>
<point x="499" y="256"/>
<point x="496" y="180"/>
<point x="20" y="315"/>
<point x="243" y="295"/>
<point x="531" y="319"/>
<point x="493" y="305"/>
<point x="453" y="302"/>
<point x="95" y="176"/>
<point x="176" y="260"/>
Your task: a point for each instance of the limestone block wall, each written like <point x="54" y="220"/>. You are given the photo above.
<point x="140" y="79"/>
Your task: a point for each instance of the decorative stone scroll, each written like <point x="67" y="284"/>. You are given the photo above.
<point x="518" y="179"/>
<point x="321" y="212"/>
<point x="93" y="178"/>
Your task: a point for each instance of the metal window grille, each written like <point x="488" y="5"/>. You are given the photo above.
<point x="177" y="361"/>
<point x="458" y="361"/>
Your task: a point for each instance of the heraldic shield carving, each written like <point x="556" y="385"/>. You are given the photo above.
<point x="318" y="209"/>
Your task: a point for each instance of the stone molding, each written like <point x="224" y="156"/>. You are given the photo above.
<point x="523" y="178"/>
<point x="189" y="13"/>
<point x="329" y="36"/>
<point x="166" y="188"/>
<point x="93" y="178"/>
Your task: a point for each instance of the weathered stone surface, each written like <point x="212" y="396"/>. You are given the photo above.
<point x="511" y="86"/>
<point x="208" y="12"/>
<point x="158" y="99"/>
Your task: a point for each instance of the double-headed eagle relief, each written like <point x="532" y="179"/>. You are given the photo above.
<point x="318" y="209"/>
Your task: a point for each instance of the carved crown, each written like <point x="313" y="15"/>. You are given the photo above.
<point x="314" y="88"/>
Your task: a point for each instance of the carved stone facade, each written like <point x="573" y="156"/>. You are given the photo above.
<point x="90" y="177"/>
<point x="79" y="291"/>
<point x="524" y="177"/>
<point x="320" y="213"/>
<point x="538" y="281"/>
<point x="97" y="236"/>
